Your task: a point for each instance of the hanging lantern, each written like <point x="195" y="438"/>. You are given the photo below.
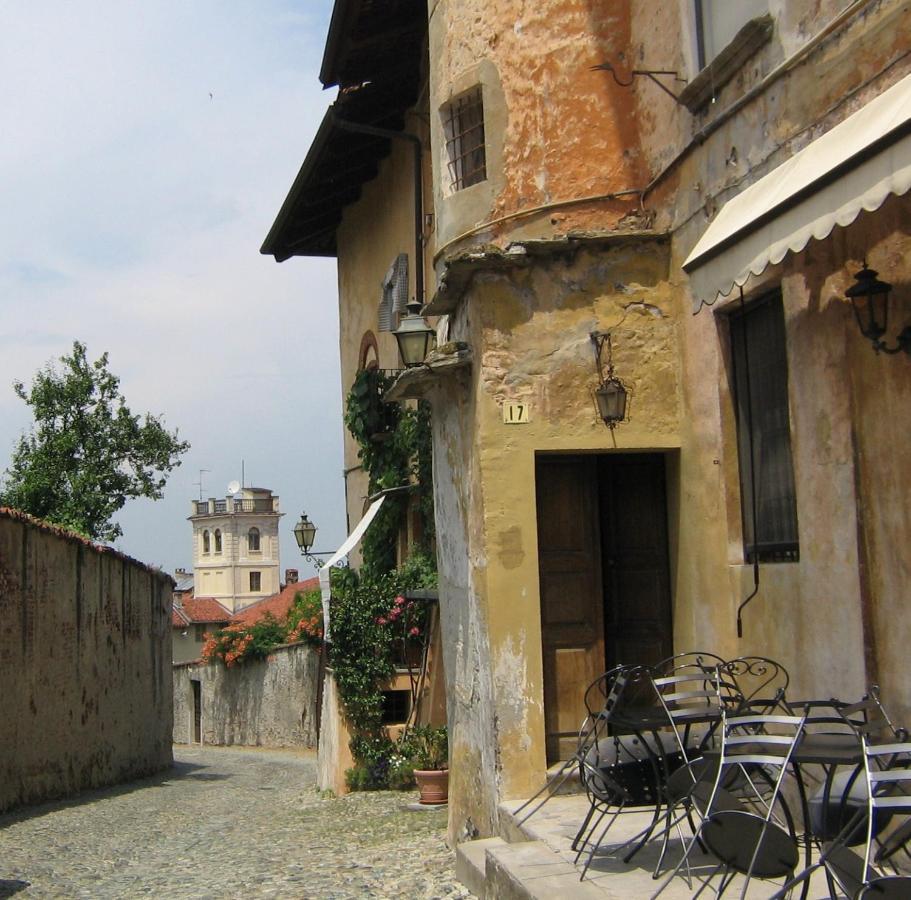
<point x="611" y="394"/>
<point x="870" y="299"/>
<point x="415" y="337"/>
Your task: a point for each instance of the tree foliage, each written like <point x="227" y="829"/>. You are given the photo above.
<point x="86" y="453"/>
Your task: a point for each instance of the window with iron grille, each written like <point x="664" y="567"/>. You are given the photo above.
<point x="761" y="395"/>
<point x="463" y="124"/>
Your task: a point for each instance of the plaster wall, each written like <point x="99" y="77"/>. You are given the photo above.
<point x="529" y="329"/>
<point x="825" y="617"/>
<point x="85" y="646"/>
<point x="262" y="703"/>
<point x="835" y="618"/>
<point x="385" y="212"/>
<point x="556" y="130"/>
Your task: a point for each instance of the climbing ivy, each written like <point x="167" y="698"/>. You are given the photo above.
<point x="394" y="447"/>
<point x="369" y="619"/>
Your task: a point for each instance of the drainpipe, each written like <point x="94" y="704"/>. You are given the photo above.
<point x="357" y="128"/>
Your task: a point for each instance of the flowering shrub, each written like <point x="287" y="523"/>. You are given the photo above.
<point x="305" y="618"/>
<point x="238" y="642"/>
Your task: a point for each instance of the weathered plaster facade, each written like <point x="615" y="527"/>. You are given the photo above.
<point x="85" y="652"/>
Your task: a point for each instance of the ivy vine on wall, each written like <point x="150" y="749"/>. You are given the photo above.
<point x="394" y="447"/>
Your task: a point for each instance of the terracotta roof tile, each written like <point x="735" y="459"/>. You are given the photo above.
<point x="200" y="610"/>
<point x="278" y="604"/>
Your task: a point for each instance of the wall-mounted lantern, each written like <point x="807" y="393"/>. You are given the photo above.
<point x="611" y="393"/>
<point x="415" y="337"/>
<point x="870" y="299"/>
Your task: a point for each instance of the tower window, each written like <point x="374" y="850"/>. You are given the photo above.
<point x="255" y="581"/>
<point x="205" y="541"/>
<point x="253" y="540"/>
<point x="463" y="124"/>
<point x="218" y="540"/>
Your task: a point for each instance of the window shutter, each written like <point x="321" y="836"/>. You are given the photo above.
<point x="395" y="293"/>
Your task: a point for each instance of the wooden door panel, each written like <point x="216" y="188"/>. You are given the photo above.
<point x="635" y="550"/>
<point x="572" y="622"/>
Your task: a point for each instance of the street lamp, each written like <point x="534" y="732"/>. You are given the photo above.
<point x="304" y="534"/>
<point x="414" y="336"/>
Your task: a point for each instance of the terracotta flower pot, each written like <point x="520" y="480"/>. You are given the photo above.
<point x="433" y="785"/>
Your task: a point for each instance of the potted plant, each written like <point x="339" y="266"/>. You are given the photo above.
<point x="428" y="749"/>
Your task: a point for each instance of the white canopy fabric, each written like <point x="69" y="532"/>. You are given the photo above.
<point x="350" y="543"/>
<point x="852" y="167"/>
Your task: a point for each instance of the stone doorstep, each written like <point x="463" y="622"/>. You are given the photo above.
<point x="471" y="864"/>
<point x="494" y="870"/>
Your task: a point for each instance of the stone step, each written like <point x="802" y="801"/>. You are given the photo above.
<point x="532" y="871"/>
<point x="471" y="864"/>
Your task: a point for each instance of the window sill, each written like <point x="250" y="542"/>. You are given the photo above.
<point x="754" y="35"/>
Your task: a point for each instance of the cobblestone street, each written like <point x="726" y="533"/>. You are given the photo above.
<point x="227" y="822"/>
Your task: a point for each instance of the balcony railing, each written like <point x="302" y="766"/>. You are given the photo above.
<point x="244" y="505"/>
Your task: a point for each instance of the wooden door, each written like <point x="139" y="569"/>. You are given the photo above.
<point x="572" y="622"/>
<point x="635" y="558"/>
<point x="197" y="711"/>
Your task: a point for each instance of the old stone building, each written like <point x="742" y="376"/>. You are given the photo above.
<point x="585" y="169"/>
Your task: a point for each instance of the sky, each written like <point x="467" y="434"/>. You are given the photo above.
<point x="146" y="150"/>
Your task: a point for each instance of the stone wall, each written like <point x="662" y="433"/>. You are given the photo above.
<point x="85" y="645"/>
<point x="264" y="703"/>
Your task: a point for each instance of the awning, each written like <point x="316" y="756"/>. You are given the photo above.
<point x="852" y="167"/>
<point x="350" y="543"/>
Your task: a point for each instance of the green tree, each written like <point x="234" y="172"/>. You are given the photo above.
<point x="86" y="453"/>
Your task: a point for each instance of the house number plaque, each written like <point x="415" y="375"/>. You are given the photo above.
<point x="515" y="413"/>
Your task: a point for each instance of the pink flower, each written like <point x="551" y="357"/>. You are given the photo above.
<point x="399" y="601"/>
<point x="381" y="620"/>
<point x="415" y="631"/>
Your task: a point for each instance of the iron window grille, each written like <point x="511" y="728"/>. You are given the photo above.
<point x="463" y="123"/>
<point x="760" y="367"/>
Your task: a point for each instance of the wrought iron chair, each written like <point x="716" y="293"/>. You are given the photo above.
<point x="600" y="698"/>
<point x="694" y="696"/>
<point x="887" y="774"/>
<point x="752" y="833"/>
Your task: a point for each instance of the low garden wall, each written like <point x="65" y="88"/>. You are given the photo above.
<point x="258" y="703"/>
<point x="85" y="649"/>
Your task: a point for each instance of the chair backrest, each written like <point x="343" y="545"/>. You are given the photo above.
<point x="761" y="682"/>
<point x="690" y="696"/>
<point x="754" y="753"/>
<point x="888" y="771"/>
<point x="870" y="719"/>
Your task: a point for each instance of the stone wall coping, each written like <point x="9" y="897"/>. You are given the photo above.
<point x="16" y="515"/>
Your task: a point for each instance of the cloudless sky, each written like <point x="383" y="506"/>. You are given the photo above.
<point x="146" y="149"/>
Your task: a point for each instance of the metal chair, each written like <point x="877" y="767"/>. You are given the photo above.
<point x="611" y="763"/>
<point x="887" y="773"/>
<point x="600" y="697"/>
<point x="752" y="833"/>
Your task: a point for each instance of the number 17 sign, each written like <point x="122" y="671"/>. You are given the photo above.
<point x="515" y="413"/>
